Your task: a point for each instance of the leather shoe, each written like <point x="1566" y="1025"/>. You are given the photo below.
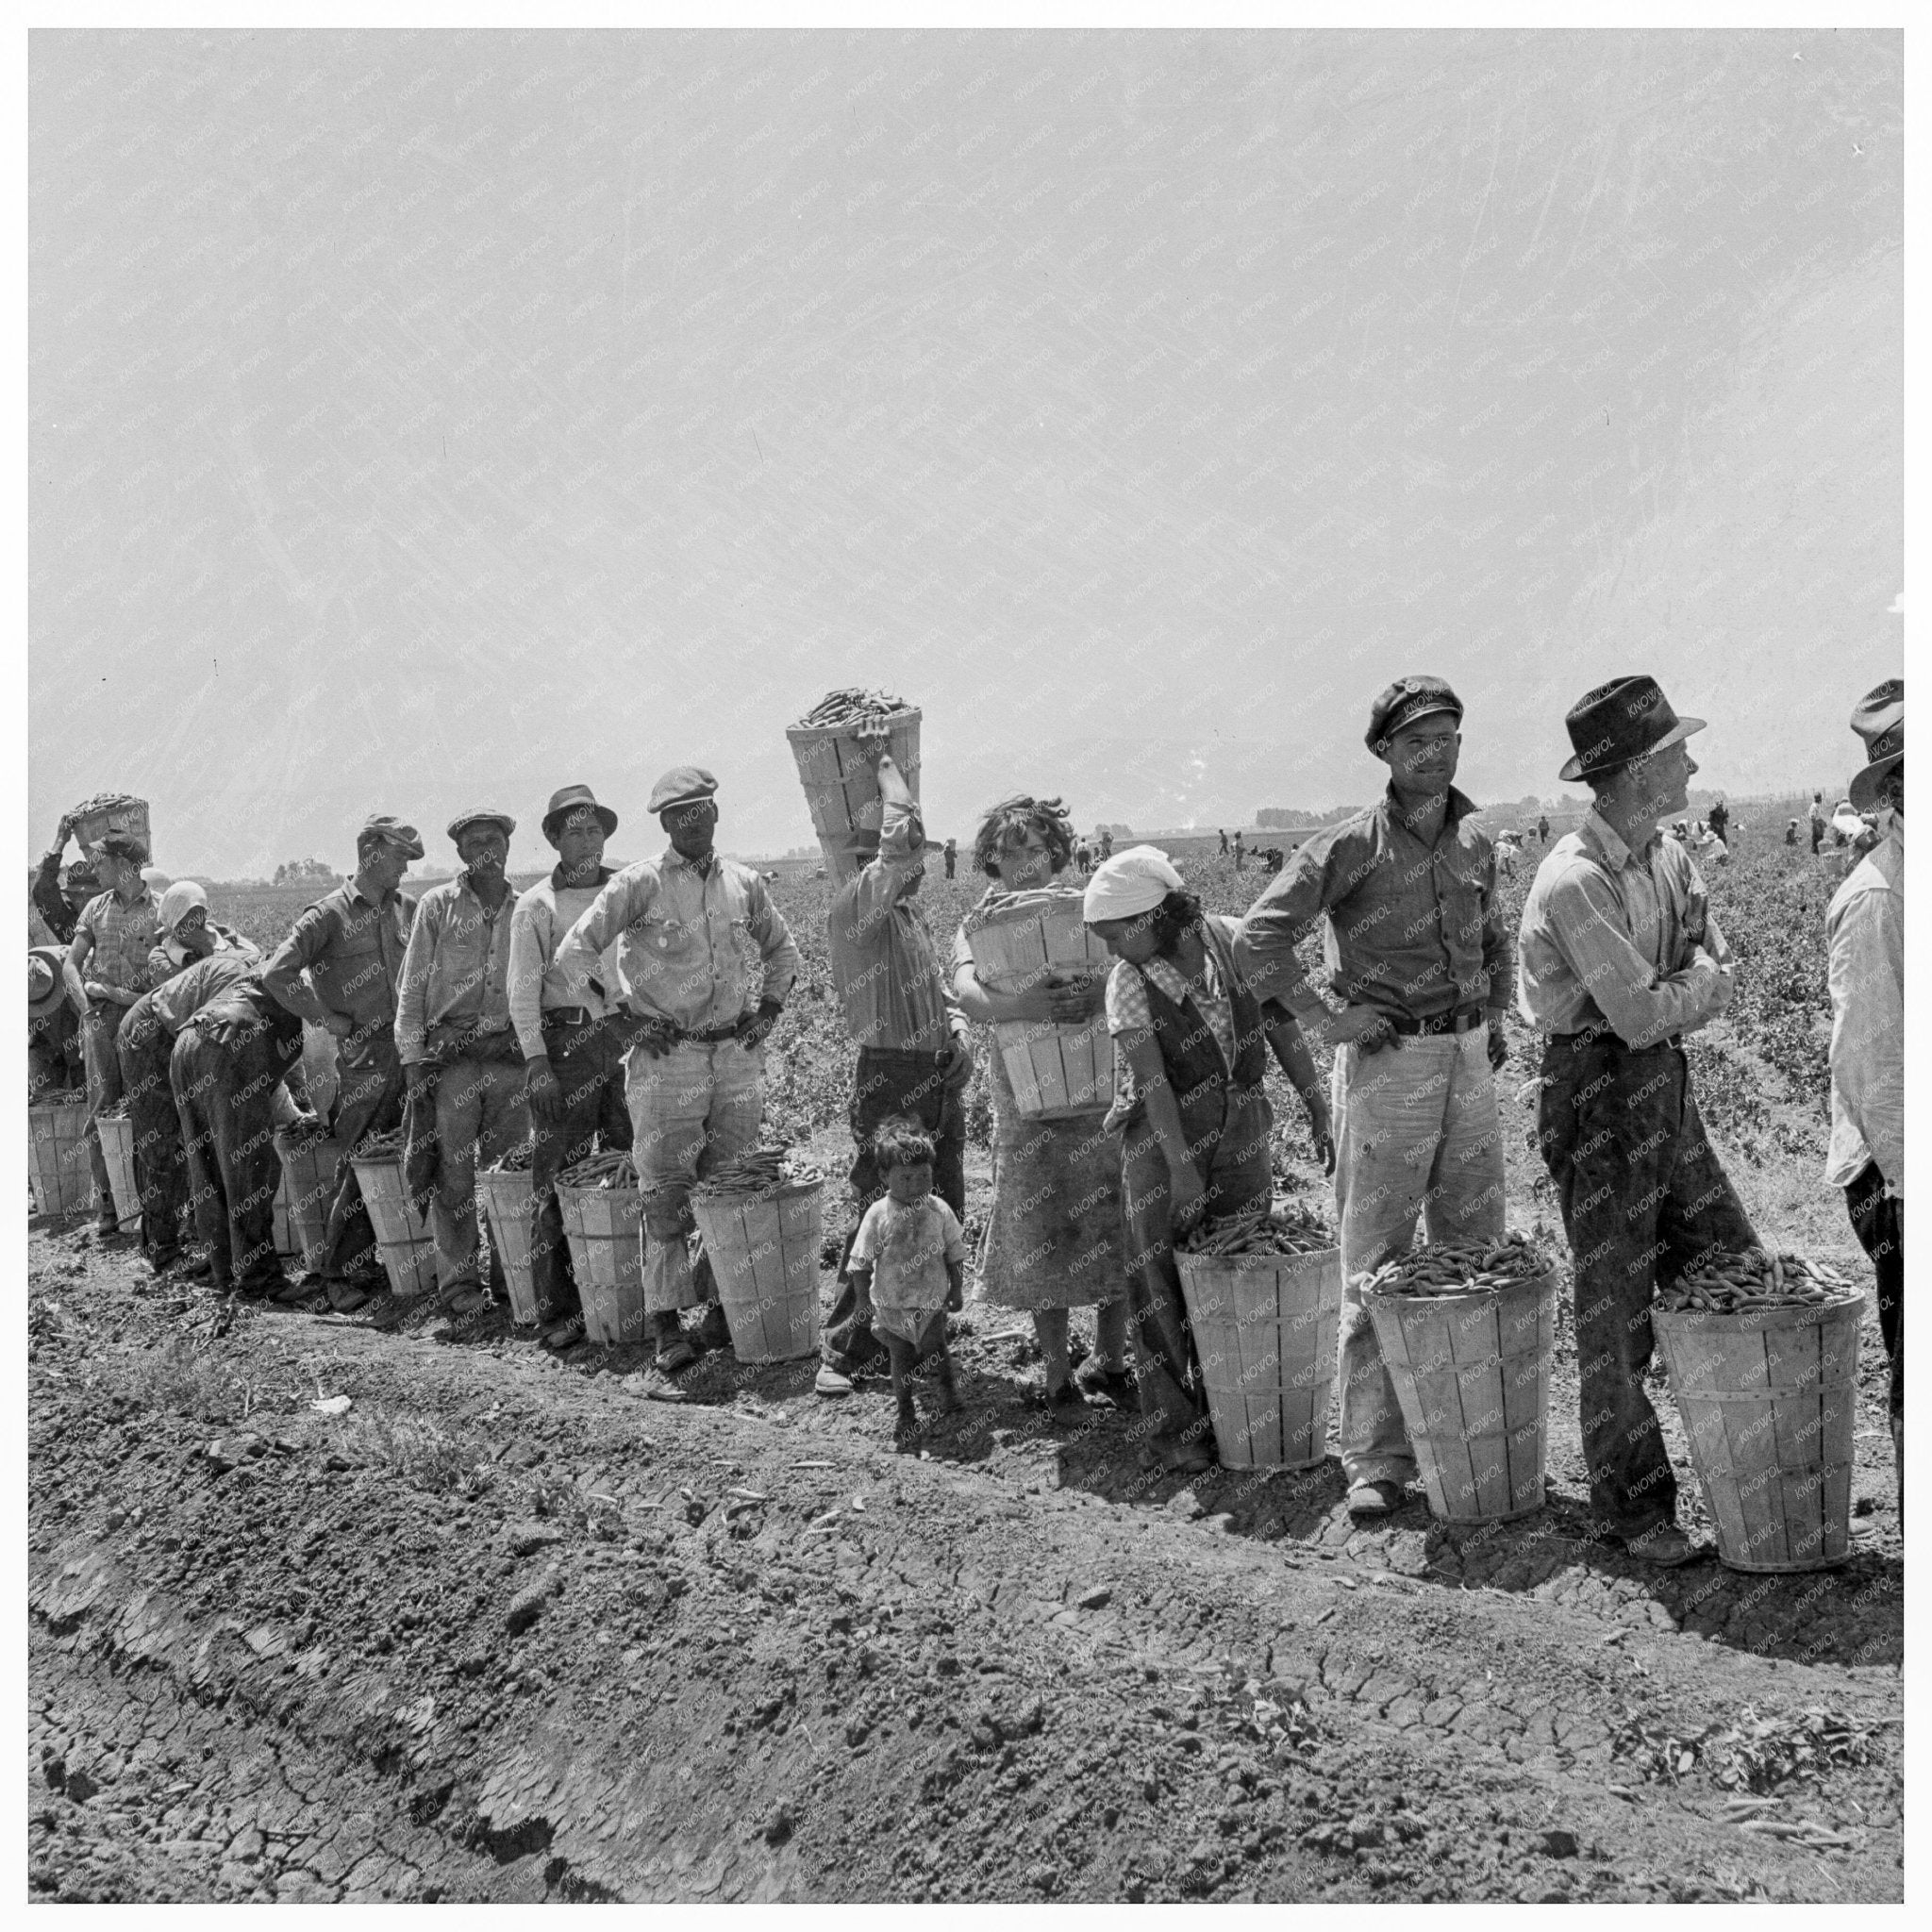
<point x="1664" y="1545"/>
<point x="828" y="1382"/>
<point x="1373" y="1499"/>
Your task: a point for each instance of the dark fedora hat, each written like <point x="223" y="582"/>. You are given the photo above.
<point x="1628" y="718"/>
<point x="573" y="798"/>
<point x="1880" y="720"/>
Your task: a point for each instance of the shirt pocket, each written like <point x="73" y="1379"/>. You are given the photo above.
<point x="670" y="962"/>
<point x="354" y="978"/>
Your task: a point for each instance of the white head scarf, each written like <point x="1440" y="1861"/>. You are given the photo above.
<point x="177" y="903"/>
<point x="1129" y="883"/>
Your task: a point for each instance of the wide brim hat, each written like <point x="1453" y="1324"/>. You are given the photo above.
<point x="1628" y="719"/>
<point x="1879" y="720"/>
<point x="52" y="957"/>
<point x="570" y="799"/>
<point x="480" y="816"/>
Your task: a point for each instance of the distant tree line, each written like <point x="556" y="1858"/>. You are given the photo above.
<point x="303" y="871"/>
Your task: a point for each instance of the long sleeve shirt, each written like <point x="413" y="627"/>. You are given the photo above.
<point x="1865" y="936"/>
<point x="699" y="949"/>
<point x="536" y="984"/>
<point x="176" y="1000"/>
<point x="343" y="957"/>
<point x="49" y="901"/>
<point x="884" y="963"/>
<point x="1611" y="935"/>
<point x="1411" y="929"/>
<point x="455" y="967"/>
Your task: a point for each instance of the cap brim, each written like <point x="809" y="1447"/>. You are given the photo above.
<point x="1863" y="790"/>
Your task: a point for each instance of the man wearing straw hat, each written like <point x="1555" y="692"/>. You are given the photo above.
<point x="1416" y="945"/>
<point x="339" y="967"/>
<point x="705" y="961"/>
<point x="915" y="1048"/>
<point x="1865" y="935"/>
<point x="454" y="1036"/>
<point x="574" y="1074"/>
<point x="1620" y="958"/>
<point x="106" y="970"/>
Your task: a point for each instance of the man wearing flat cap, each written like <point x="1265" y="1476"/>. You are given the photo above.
<point x="705" y="963"/>
<point x="1865" y="936"/>
<point x="1620" y="958"/>
<point x="454" y="1036"/>
<point x="339" y="969"/>
<point x="574" y="1076"/>
<point x="1415" y="946"/>
<point x="106" y="971"/>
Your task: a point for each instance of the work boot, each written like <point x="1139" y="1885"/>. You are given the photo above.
<point x="1374" y="1498"/>
<point x="1664" y="1544"/>
<point x="714" y="1331"/>
<point x="830" y="1382"/>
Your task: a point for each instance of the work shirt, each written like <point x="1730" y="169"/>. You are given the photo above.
<point x="1865" y="937"/>
<point x="351" y="951"/>
<point x="164" y="965"/>
<point x="1412" y="930"/>
<point x="884" y="963"/>
<point x="456" y="966"/>
<point x="179" y="997"/>
<point x="537" y="985"/>
<point x="123" y="936"/>
<point x="50" y="902"/>
<point x="699" y="949"/>
<point x="1610" y="934"/>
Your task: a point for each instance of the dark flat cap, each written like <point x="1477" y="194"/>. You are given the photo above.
<point x="1403" y="703"/>
<point x="393" y="831"/>
<point x="481" y="815"/>
<point x="683" y="784"/>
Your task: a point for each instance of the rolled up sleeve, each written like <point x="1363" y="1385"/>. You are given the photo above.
<point x="530" y="935"/>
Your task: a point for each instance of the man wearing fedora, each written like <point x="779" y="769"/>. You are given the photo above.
<point x="1619" y="959"/>
<point x="1416" y="947"/>
<point x="1865" y="935"/>
<point x="54" y="1061"/>
<point x="574" y="1076"/>
<point x="339" y="967"/>
<point x="454" y="1041"/>
<point x="705" y="961"/>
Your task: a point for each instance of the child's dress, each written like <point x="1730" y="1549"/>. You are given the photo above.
<point x="908" y="1249"/>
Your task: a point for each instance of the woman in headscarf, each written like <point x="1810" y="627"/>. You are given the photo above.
<point x="187" y="933"/>
<point x="1189" y="1063"/>
<point x="1053" y="1236"/>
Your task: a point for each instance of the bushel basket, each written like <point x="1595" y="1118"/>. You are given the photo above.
<point x="764" y="1253"/>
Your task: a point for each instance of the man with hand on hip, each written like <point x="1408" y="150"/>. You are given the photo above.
<point x="705" y="961"/>
<point x="1415" y="946"/>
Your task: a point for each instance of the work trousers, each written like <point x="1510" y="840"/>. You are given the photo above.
<point x="479" y="1104"/>
<point x="692" y="1109"/>
<point x="369" y="1100"/>
<point x="1643" y="1197"/>
<point x="1417" y="1137"/>
<point x="145" y="1048"/>
<point x="103" y="1061"/>
<point x="1879" y="1222"/>
<point x="226" y="1102"/>
<point x="591" y="1076"/>
<point x="887" y="1082"/>
<point x="1227" y="1133"/>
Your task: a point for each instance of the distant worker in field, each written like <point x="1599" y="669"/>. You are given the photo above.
<point x="1865" y="935"/>
<point x="1237" y="852"/>
<point x="915" y="1048"/>
<point x="339" y="967"/>
<point x="1791" y="833"/>
<point x="1224" y="842"/>
<point x="1718" y="819"/>
<point x="456" y="1042"/>
<point x="574" y="1075"/>
<point x="1414" y="941"/>
<point x="1620" y="958"/>
<point x="59" y="894"/>
<point x="1543" y="827"/>
<point x="1083" y="855"/>
<point x="952" y="856"/>
<point x="106" y="971"/>
<point x="1106" y="843"/>
<point x="705" y="961"/>
<point x="1817" y="821"/>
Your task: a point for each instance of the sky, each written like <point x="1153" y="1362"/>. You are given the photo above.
<point x="424" y="421"/>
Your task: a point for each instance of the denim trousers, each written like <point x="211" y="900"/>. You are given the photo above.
<point x="227" y="1103"/>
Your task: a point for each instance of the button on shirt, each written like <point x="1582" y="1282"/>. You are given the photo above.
<point x="699" y="949"/>
<point x="1865" y="935"/>
<point x="123" y="936"/>
<point x="351" y="950"/>
<point x="457" y="966"/>
<point x="883" y="962"/>
<point x="1610" y="934"/>
<point x="536" y="984"/>
<point x="1414" y="930"/>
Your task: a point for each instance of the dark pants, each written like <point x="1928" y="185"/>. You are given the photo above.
<point x="226" y="1101"/>
<point x="369" y="1100"/>
<point x="160" y="1161"/>
<point x="590" y="1073"/>
<point x="1642" y="1197"/>
<point x="1227" y="1133"/>
<point x="1881" y="1226"/>
<point x="886" y="1082"/>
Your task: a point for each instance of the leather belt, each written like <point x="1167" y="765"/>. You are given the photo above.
<point x="1465" y="1021"/>
<point x="566" y="1016"/>
<point x="711" y="1035"/>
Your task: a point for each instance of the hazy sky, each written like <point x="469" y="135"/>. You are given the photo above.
<point x="427" y="419"/>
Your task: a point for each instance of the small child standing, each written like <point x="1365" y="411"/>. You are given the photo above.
<point x="907" y="1267"/>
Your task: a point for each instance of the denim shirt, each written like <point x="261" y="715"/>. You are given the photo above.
<point x="457" y="966"/>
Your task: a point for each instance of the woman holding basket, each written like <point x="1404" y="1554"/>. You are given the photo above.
<point x="1052" y="1238"/>
<point x="1188" y="1036"/>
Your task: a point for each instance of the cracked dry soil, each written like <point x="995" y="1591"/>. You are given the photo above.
<point x="502" y="1631"/>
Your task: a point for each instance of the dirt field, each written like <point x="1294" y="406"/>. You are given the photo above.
<point x="503" y="1631"/>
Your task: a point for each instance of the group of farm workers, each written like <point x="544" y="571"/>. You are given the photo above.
<point x="629" y="1008"/>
